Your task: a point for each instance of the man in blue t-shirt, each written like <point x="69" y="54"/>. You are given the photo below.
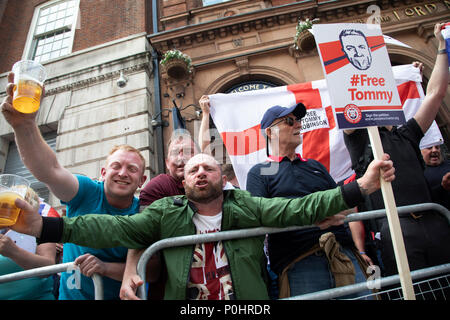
<point x="122" y="174"/>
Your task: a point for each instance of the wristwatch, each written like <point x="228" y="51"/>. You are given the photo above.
<point x="442" y="51"/>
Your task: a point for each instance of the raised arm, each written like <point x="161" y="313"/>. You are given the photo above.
<point x="91" y="230"/>
<point x="37" y="156"/>
<point x="204" y="138"/>
<point x="317" y="206"/>
<point x="437" y="85"/>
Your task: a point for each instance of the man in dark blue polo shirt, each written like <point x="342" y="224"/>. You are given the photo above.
<point x="297" y="257"/>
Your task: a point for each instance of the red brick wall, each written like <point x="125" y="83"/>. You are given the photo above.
<point x="101" y="21"/>
<point x="107" y="20"/>
<point x="14" y="28"/>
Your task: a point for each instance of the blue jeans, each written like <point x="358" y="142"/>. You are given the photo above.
<point x="312" y="274"/>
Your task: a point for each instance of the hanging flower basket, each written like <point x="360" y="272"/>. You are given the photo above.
<point x="304" y="39"/>
<point x="176" y="64"/>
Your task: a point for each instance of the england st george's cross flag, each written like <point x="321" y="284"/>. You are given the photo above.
<point x="237" y="117"/>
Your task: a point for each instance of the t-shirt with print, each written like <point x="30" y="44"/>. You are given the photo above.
<point x="91" y="198"/>
<point x="210" y="277"/>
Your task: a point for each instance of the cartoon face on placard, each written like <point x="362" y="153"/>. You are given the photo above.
<point x="356" y="49"/>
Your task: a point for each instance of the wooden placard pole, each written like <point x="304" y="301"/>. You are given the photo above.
<point x="394" y="221"/>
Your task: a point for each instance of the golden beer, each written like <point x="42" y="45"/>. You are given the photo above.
<point x="8" y="210"/>
<point x="27" y="96"/>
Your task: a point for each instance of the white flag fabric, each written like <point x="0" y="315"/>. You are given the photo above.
<point x="237" y="117"/>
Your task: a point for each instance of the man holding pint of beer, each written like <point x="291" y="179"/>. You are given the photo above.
<point x="121" y="175"/>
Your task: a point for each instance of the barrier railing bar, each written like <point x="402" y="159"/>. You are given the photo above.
<point x="49" y="270"/>
<point x="98" y="286"/>
<point x="383" y="282"/>
<point x="37" y="272"/>
<point x="247" y="233"/>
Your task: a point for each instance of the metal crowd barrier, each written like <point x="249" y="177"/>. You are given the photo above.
<point x="441" y="284"/>
<point x="53" y="269"/>
<point x="248" y="233"/>
<point x="245" y="233"/>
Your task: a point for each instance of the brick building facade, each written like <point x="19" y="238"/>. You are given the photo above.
<point x="85" y="47"/>
<point x="238" y="43"/>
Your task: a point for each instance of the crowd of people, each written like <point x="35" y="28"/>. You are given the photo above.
<point x="106" y="227"/>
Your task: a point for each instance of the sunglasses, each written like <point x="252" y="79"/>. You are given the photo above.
<point x="289" y="121"/>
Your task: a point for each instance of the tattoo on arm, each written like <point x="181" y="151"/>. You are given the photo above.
<point x="363" y="190"/>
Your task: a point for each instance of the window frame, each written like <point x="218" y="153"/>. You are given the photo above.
<point x="216" y="2"/>
<point x="32" y="40"/>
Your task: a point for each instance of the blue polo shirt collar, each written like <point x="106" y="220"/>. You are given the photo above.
<point x="279" y="159"/>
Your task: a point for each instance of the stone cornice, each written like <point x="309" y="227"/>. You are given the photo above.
<point x="265" y="18"/>
<point x="236" y="24"/>
<point x="330" y="11"/>
<point x="99" y="73"/>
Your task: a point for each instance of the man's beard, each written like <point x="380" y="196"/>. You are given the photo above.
<point x="204" y="196"/>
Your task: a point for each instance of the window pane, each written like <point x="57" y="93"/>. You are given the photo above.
<point x="57" y="45"/>
<point x="39" y="50"/>
<point x="50" y="26"/>
<point x="45" y="57"/>
<point x="66" y="42"/>
<point x="53" y="31"/>
<point x="69" y="12"/>
<point x="45" y="12"/>
<point x="54" y="54"/>
<point x="59" y="23"/>
<point x="47" y="48"/>
<point x="68" y="21"/>
<point x="43" y="20"/>
<point x="60" y="14"/>
<point x="47" y="40"/>
<point x="40" y="29"/>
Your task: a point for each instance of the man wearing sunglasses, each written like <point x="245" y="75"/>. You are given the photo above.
<point x="305" y="261"/>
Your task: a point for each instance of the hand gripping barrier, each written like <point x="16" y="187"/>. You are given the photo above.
<point x="247" y="233"/>
<point x="49" y="270"/>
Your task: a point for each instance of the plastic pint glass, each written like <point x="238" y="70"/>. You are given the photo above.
<point x="11" y="188"/>
<point x="29" y="77"/>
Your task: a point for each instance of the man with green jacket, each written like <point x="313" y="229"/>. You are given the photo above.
<point x="228" y="270"/>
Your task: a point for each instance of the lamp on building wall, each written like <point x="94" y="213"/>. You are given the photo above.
<point x="122" y="81"/>
<point x="157" y="123"/>
<point x="179" y="122"/>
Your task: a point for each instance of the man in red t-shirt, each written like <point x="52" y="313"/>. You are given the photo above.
<point x="180" y="149"/>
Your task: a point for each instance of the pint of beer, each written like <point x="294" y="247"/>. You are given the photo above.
<point x="11" y="188"/>
<point x="29" y="77"/>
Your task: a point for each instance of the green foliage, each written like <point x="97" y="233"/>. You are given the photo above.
<point x="176" y="54"/>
